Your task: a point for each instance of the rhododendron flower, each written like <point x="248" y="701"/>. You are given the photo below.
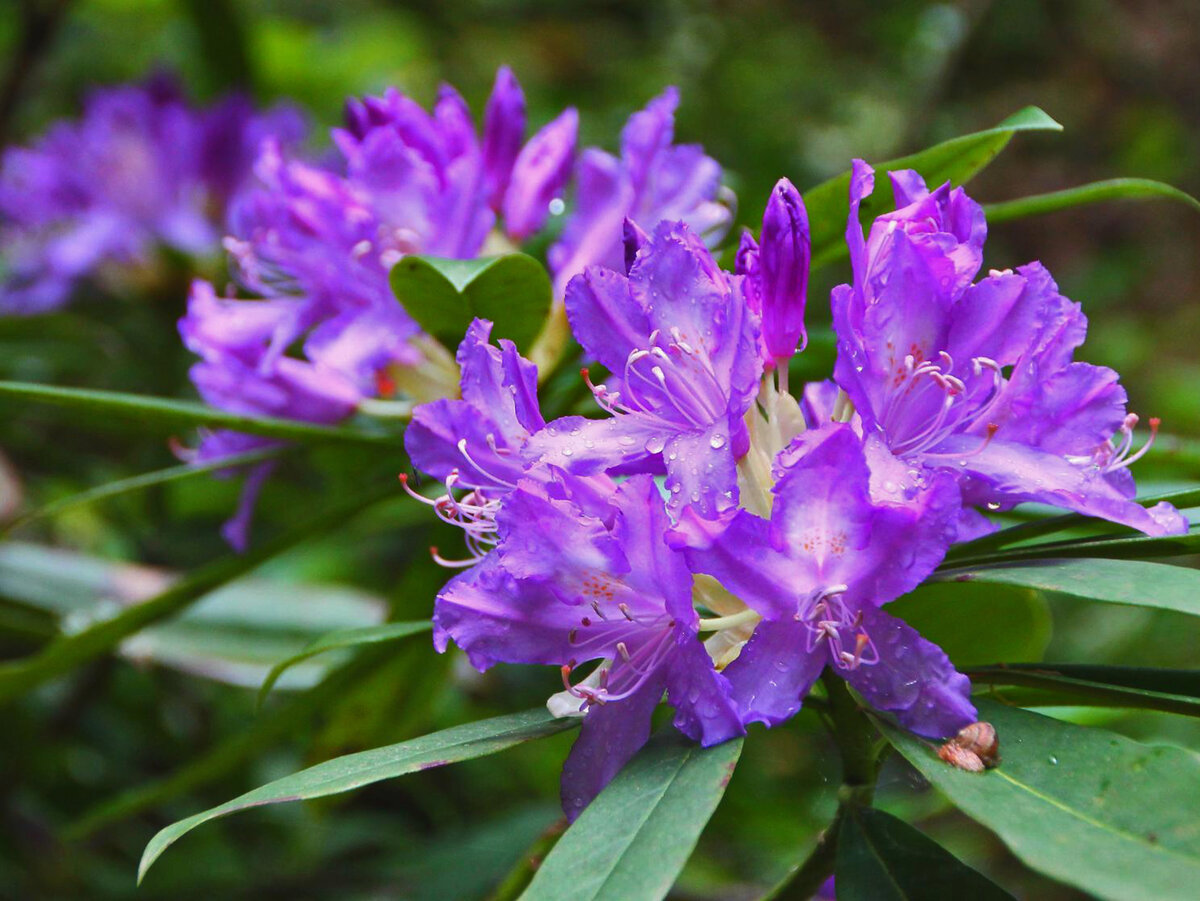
<point x="978" y="378"/>
<point x="817" y="572"/>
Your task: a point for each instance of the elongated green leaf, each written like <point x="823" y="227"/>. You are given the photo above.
<point x="956" y="160"/>
<point x="1058" y="684"/>
<point x="1134" y="582"/>
<point x="881" y="858"/>
<point x="631" y="842"/>
<point x="443" y="295"/>
<point x="139" y="483"/>
<point x="366" y="767"/>
<point x="1091" y="808"/>
<point x="977" y="624"/>
<point x="1095" y="192"/>
<point x="343" y="638"/>
<point x="70" y="651"/>
<point x="1050" y="525"/>
<point x="164" y="412"/>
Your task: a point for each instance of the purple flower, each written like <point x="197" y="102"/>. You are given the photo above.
<point x="652" y="180"/>
<point x="140" y="170"/>
<point x="838" y="545"/>
<point x="566" y="586"/>
<point x="978" y="378"/>
<point x="682" y="347"/>
<point x="777" y="273"/>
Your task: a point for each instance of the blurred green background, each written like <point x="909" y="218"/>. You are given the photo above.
<point x="771" y="89"/>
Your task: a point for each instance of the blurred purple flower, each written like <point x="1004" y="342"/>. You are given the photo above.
<point x="140" y="170"/>
<point x="652" y="180"/>
<point x="978" y="378"/>
<point x="318" y="243"/>
<point x="834" y="550"/>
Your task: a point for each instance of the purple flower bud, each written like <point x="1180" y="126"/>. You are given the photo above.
<point x="503" y="130"/>
<point x="783" y="270"/>
<point x="634" y="239"/>
<point x="539" y="175"/>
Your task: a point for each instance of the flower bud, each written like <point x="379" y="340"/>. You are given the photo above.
<point x="785" y="251"/>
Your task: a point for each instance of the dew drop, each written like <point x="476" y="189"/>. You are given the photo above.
<point x="1053" y="760"/>
<point x="992" y="505"/>
<point x="655" y="445"/>
<point x="566" y="451"/>
<point x="626" y="441"/>
<point x="716" y="442"/>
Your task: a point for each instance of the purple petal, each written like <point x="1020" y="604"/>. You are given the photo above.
<point x="503" y="131"/>
<point x="539" y="175"/>
<point x="1008" y="473"/>
<point x="587" y="446"/>
<point x="914" y="680"/>
<point x="744" y="555"/>
<point x="701" y="470"/>
<point x="606" y="319"/>
<point x="498" y="619"/>
<point x="705" y="709"/>
<point x="774" y="672"/>
<point x="646" y="134"/>
<point x="236" y="530"/>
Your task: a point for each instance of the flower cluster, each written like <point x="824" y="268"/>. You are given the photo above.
<point x="721" y="541"/>
<point x="315" y="244"/>
<point x="142" y="169"/>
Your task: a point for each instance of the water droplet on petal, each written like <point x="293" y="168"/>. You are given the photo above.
<point x="655" y="445"/>
<point x="566" y="451"/>
<point x="717" y="441"/>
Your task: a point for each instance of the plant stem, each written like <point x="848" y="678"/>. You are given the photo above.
<point x="859" y="750"/>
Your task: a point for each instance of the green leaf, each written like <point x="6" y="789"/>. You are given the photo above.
<point x="1134" y="582"/>
<point x="881" y="858"/>
<point x="71" y="651"/>
<point x="343" y="638"/>
<point x="1049" y="525"/>
<point x="632" y="841"/>
<point x="1095" y="192"/>
<point x="956" y="160"/>
<point x="139" y="483"/>
<point x="977" y="624"/>
<point x="1084" y="685"/>
<point x="443" y="295"/>
<point x="162" y="412"/>
<point x="366" y="767"/>
<point x="1088" y="807"/>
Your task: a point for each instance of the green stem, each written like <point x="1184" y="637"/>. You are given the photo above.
<point x="860" y="753"/>
<point x="519" y="877"/>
